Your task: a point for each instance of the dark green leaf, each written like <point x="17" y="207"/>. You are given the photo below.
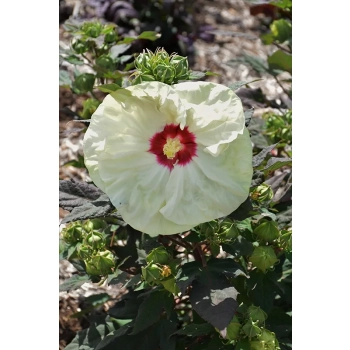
<point x="97" y="299"/>
<point x="149" y="35"/>
<point x="215" y="301"/>
<point x="74" y="60"/>
<point x="238" y="84"/>
<point x="240" y="247"/>
<point x="227" y="266"/>
<point x="244" y="211"/>
<point x="65" y="79"/>
<point x="248" y="116"/>
<point x="76" y="193"/>
<point x="127" y="307"/>
<point x="243" y="345"/>
<point x="101" y="207"/>
<point x="256" y="128"/>
<point x="110" y="339"/>
<point x="258" y="178"/>
<point x="280" y="60"/>
<point x="275" y="163"/>
<point x="212" y="74"/>
<point x="186" y="275"/>
<point x="281" y="30"/>
<point x="151" y="308"/>
<point x="74" y="282"/>
<point x="108" y="87"/>
<point x="260" y="157"/>
<point x="127" y="40"/>
<point x="262" y="289"/>
<point x="195" y="330"/>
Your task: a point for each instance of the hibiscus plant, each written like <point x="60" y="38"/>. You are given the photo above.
<point x="184" y="213"/>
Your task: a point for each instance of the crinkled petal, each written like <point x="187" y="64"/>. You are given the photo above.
<point x="214" y="113"/>
<point x="210" y="187"/>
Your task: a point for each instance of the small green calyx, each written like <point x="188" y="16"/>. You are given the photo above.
<point x="263" y="257"/>
<point x="160" y="66"/>
<point x="228" y="228"/>
<point x="267" y="231"/>
<point x="100" y="264"/>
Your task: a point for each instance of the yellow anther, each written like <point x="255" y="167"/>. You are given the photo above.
<point x="171" y="147"/>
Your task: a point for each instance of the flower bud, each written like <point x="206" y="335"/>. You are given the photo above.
<point x="152" y="274"/>
<point x="80" y="46"/>
<point x="85" y="252"/>
<point x="262" y="193"/>
<point x="164" y="73"/>
<point x="100" y="264"/>
<point x="106" y="62"/>
<point x="180" y="65"/>
<point x="143" y="63"/>
<point x="111" y="37"/>
<point x="92" y="29"/>
<point x="84" y="83"/>
<point x="251" y="329"/>
<point x="208" y="229"/>
<point x="73" y="233"/>
<point x="89" y="108"/>
<point x="267" y="231"/>
<point x="158" y="255"/>
<point x="232" y="330"/>
<point x="256" y="314"/>
<point x="95" y="240"/>
<point x="94" y="224"/>
<point x="228" y="228"/>
<point x="263" y="257"/>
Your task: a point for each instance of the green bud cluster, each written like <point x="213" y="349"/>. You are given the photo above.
<point x="279" y="128"/>
<point x="90" y="243"/>
<point x="160" y="66"/>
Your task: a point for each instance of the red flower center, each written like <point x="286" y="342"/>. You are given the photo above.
<point x="173" y="146"/>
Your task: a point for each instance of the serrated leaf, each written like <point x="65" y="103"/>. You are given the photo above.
<point x="275" y="163"/>
<point x="76" y="193"/>
<point x="73" y="282"/>
<point x="118" y="49"/>
<point x="151" y="308"/>
<point x="260" y="157"/>
<point x="195" y="330"/>
<point x="108" y="87"/>
<point x="238" y="84"/>
<point x="215" y="302"/>
<point x="65" y="79"/>
<point x="248" y="116"/>
<point x="149" y="35"/>
<point x="99" y="208"/>
<point x="280" y="60"/>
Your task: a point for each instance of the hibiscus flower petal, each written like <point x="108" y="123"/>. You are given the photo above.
<point x="214" y="113"/>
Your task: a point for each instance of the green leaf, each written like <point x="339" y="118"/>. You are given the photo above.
<point x="74" y="282"/>
<point x="187" y="273"/>
<point x="259" y="64"/>
<point x="108" y="87"/>
<point x="149" y="35"/>
<point x="238" y="84"/>
<point x="243" y="345"/>
<point x="195" y="330"/>
<point x="275" y="163"/>
<point x="97" y="299"/>
<point x="127" y="40"/>
<point x="212" y="74"/>
<point x="76" y="193"/>
<point x="280" y="60"/>
<point x="240" y="247"/>
<point x="260" y="157"/>
<point x="262" y="289"/>
<point x="196" y="75"/>
<point x="281" y="30"/>
<point x="74" y="60"/>
<point x="127" y="307"/>
<point x="151" y="308"/>
<point x="78" y="163"/>
<point x="214" y="301"/>
<point x="227" y="266"/>
<point x="244" y="211"/>
<point x="118" y="49"/>
<point x="65" y="79"/>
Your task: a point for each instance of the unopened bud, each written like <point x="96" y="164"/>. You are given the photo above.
<point x="262" y="193"/>
<point x="95" y="240"/>
<point x="263" y="257"/>
<point x="228" y="228"/>
<point x="100" y="264"/>
<point x="267" y="231"/>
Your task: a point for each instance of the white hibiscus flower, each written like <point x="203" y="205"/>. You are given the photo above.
<point x="170" y="157"/>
